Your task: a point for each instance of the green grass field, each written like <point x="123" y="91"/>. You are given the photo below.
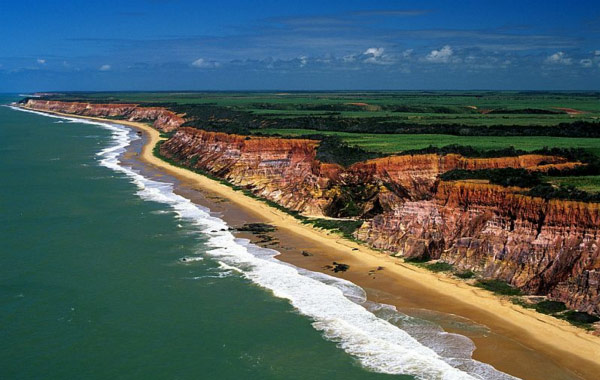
<point x="589" y="183"/>
<point x="421" y="107"/>
<point x="393" y="143"/>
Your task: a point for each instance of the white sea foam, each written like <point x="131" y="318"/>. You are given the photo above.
<point x="380" y="337"/>
<point x="190" y="259"/>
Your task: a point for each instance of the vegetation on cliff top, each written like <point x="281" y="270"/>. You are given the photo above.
<point x="549" y="191"/>
<point x="541" y="186"/>
<point x="333" y="149"/>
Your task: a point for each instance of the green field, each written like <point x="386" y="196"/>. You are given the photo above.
<point x="395" y="143"/>
<point x="419" y="107"/>
<point x="590" y="183"/>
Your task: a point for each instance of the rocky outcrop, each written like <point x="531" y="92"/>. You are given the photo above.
<point x="161" y="118"/>
<point x="543" y="247"/>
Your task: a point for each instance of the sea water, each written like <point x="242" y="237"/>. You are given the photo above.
<point x="105" y="272"/>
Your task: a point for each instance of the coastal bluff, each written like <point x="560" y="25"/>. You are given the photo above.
<point x="543" y="247"/>
<point x="161" y="118"/>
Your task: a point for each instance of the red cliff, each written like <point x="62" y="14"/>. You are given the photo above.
<point x="162" y="118"/>
<point x="543" y="247"/>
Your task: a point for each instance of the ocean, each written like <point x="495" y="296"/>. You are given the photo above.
<point x="107" y="273"/>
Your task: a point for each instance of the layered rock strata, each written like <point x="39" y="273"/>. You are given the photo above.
<point x="161" y="118"/>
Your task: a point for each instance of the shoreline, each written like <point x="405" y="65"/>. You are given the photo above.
<point x="566" y="345"/>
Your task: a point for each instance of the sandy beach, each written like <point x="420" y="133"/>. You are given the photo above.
<point x="519" y="341"/>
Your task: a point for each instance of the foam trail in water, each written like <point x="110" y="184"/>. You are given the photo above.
<point x="373" y="333"/>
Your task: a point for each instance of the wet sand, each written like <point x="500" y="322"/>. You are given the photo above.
<point x="515" y="340"/>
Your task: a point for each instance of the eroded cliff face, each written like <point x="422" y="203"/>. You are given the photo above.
<point x="282" y="170"/>
<point x="415" y="176"/>
<point x="286" y="171"/>
<point x="543" y="247"/>
<point x="162" y="118"/>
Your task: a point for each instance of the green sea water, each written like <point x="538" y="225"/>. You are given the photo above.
<point x="92" y="286"/>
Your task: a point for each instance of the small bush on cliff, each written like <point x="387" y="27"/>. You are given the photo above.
<point x="503" y="177"/>
<point x="193" y="161"/>
<point x="498" y="287"/>
<point x="167" y="135"/>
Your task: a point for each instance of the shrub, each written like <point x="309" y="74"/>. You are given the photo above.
<point x="550" y="307"/>
<point x="439" y="267"/>
<point x="579" y="318"/>
<point x="498" y="287"/>
<point x="465" y="275"/>
<point x="345" y="227"/>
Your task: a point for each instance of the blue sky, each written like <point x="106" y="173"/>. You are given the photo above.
<point x="295" y="45"/>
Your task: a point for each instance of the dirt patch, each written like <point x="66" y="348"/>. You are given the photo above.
<point x="570" y="111"/>
<point x="365" y="106"/>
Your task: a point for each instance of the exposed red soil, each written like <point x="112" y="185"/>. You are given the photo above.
<point x="570" y="111"/>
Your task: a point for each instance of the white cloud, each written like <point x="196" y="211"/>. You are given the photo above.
<point x="104" y="68"/>
<point x="375" y="52"/>
<point x="443" y="55"/>
<point x="204" y="64"/>
<point x="586" y="62"/>
<point x="303" y="60"/>
<point x="41" y="61"/>
<point x="559" y="58"/>
<point x="407" y="53"/>
<point x="375" y="55"/>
